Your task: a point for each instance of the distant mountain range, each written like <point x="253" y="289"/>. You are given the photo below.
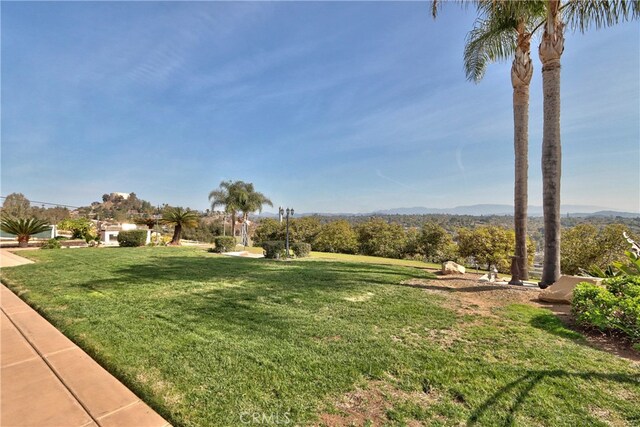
<point x="484" y="209"/>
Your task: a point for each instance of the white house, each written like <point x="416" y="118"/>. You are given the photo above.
<point x="109" y="233"/>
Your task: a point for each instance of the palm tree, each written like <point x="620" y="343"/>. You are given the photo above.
<point x="252" y="201"/>
<point x="503" y="31"/>
<point x="228" y="194"/>
<point x="23" y="228"/>
<point x="581" y="14"/>
<point x="179" y="218"/>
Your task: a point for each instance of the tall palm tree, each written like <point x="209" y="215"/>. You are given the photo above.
<point x="581" y="15"/>
<point x="23" y="228"/>
<point x="228" y="194"/>
<point x="503" y="31"/>
<point x="252" y="201"/>
<point x="179" y="218"/>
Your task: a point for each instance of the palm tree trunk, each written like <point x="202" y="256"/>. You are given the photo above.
<point x="551" y="48"/>
<point x="233" y="225"/>
<point x="521" y="72"/>
<point x="177" y="235"/>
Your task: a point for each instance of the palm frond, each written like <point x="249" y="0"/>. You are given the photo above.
<point x="488" y="41"/>
<point x="23" y="226"/>
<point x="180" y="216"/>
<point x="584" y="14"/>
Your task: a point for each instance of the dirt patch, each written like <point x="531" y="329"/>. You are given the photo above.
<point x="472" y="296"/>
<point x="467" y="295"/>
<point x="369" y="405"/>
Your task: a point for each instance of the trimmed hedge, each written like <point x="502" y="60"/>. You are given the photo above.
<point x="132" y="238"/>
<point x="224" y="243"/>
<point x="301" y="249"/>
<point x="613" y="308"/>
<point x="274" y="249"/>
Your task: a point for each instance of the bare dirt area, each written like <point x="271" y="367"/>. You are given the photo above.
<point x="370" y="405"/>
<point x="474" y="297"/>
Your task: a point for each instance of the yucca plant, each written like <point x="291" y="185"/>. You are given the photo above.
<point x="179" y="218"/>
<point x="23" y="228"/>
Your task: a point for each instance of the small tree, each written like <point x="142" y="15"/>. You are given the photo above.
<point x="336" y="236"/>
<point x="269" y="229"/>
<point x="436" y="243"/>
<point x="491" y="245"/>
<point x="304" y="229"/>
<point x="376" y="237"/>
<point x="16" y="206"/>
<point x="585" y="246"/>
<point x="23" y="228"/>
<point x="179" y="218"/>
<point x="79" y="227"/>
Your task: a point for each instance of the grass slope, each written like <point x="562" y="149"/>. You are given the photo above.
<point x="212" y="340"/>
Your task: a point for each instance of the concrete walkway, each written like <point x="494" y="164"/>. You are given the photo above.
<point x="46" y="380"/>
<point x="10" y="259"/>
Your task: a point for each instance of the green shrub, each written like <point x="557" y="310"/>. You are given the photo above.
<point x="224" y="244"/>
<point x="274" y="249"/>
<point x="301" y="249"/>
<point x="615" y="307"/>
<point x="132" y="238"/>
<point x="51" y="244"/>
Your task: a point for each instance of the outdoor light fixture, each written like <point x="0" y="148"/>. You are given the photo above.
<point x="289" y="212"/>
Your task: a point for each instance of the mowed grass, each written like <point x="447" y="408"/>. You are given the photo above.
<point x="213" y="340"/>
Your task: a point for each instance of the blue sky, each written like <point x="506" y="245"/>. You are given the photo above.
<point x="324" y="106"/>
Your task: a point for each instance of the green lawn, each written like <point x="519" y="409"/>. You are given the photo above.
<point x="211" y="340"/>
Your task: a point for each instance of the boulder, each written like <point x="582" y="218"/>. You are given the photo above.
<point x="562" y="290"/>
<point x="451" y="267"/>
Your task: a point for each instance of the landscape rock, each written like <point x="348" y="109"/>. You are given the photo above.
<point x="451" y="267"/>
<point x="562" y="290"/>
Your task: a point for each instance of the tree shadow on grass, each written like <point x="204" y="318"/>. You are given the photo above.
<point x="523" y="386"/>
<point x="444" y="288"/>
<point x="326" y="275"/>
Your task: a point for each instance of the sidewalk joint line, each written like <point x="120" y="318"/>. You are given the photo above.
<point x="119" y="409"/>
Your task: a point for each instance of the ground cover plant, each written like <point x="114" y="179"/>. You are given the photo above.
<point x="212" y="340"/>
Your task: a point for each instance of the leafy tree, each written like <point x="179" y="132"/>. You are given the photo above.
<point x="268" y="230"/>
<point x="376" y="237"/>
<point x="206" y="231"/>
<point x="490" y="245"/>
<point x="23" y="228"/>
<point x="16" y="205"/>
<point x="52" y="215"/>
<point x="179" y="218"/>
<point x="412" y="246"/>
<point x="585" y="246"/>
<point x="336" y="237"/>
<point x="436" y="243"/>
<point x="79" y="227"/>
<point x="304" y="229"/>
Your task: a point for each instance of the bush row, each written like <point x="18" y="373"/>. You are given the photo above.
<point x="377" y="237"/>
<point x="276" y="249"/>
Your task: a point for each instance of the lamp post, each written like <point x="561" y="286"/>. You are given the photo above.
<point x="288" y="211"/>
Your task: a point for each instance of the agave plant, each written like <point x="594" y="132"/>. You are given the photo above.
<point x="23" y="228"/>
